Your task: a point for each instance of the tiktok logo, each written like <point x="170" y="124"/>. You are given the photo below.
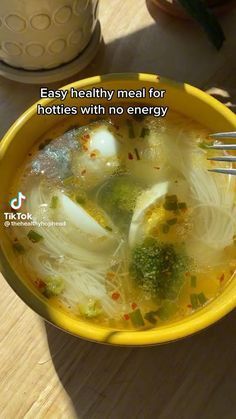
<point x="16" y="203"/>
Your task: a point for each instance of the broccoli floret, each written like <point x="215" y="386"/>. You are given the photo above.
<point x="158" y="268"/>
<point x="118" y="197"/>
<point x="91" y="309"/>
<point x="54" y="286"/>
<point x="121" y="192"/>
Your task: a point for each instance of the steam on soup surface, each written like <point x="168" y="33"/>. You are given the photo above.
<point x="143" y="233"/>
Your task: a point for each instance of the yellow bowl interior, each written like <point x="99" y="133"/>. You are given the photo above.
<point x="26" y="131"/>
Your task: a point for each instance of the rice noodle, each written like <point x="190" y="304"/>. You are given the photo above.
<point x="62" y="254"/>
<point x="212" y="196"/>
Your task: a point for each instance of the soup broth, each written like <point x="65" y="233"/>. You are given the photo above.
<point x="130" y="228"/>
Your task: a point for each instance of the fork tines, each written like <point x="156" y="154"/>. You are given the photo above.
<point x="223" y="158"/>
<point x="224" y="171"/>
<point x="223" y="147"/>
<point x="219" y="135"/>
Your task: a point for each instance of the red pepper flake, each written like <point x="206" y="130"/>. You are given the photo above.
<point x="85" y="137"/>
<point x="39" y="283"/>
<point x="30" y="154"/>
<point x="83" y="172"/>
<point x="126" y="316"/>
<point x="222" y="277"/>
<point x="189" y="306"/>
<point x="156" y="167"/>
<point x="130" y="156"/>
<point x="115" y="296"/>
<point x="117" y="127"/>
<point x="134" y="306"/>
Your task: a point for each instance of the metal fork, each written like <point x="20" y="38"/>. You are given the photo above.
<point x="223" y="147"/>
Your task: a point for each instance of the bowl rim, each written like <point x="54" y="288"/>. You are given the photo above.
<point x="101" y="334"/>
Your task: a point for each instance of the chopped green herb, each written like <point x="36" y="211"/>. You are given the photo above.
<point x="144" y="132"/>
<point x="150" y="317"/>
<point x="204" y="144"/>
<point x="182" y="206"/>
<point x="202" y="298"/>
<point x="131" y="129"/>
<point x="54" y="202"/>
<point x="171" y="203"/>
<point x="170" y="206"/>
<point x="165" y="228"/>
<point x="137" y="154"/>
<point x="80" y="200"/>
<point x="136" y="318"/>
<point x="34" y="237"/>
<point x="108" y="228"/>
<point x="172" y="221"/>
<point x="68" y="180"/>
<point x="167" y="310"/>
<point x="171" y="198"/>
<point x="19" y="248"/>
<point x="194" y="301"/>
<point x="193" y="280"/>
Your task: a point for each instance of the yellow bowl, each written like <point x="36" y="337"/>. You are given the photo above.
<point x="18" y="141"/>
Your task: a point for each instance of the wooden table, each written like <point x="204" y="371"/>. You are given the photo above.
<point x="46" y="373"/>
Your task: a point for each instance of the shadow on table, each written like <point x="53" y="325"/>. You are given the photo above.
<point x="177" y="49"/>
<point x="193" y="378"/>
